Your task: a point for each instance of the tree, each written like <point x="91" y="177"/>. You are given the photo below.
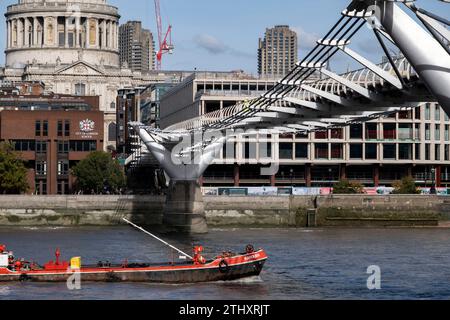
<point x="347" y="187"/>
<point x="99" y="172"/>
<point x="13" y="173"/>
<point x="406" y="186"/>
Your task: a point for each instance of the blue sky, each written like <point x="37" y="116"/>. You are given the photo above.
<point x="223" y="35"/>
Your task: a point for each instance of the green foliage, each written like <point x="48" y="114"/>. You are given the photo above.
<point x="347" y="187"/>
<point x="406" y="186"/>
<point x="97" y="171"/>
<point x="13" y="173"/>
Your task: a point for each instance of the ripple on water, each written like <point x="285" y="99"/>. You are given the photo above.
<point x="303" y="263"/>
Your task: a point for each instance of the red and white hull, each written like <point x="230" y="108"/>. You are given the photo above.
<point x="221" y="269"/>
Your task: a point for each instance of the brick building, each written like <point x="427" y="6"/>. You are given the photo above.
<point x="52" y="133"/>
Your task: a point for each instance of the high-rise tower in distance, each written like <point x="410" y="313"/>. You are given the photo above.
<point x="277" y="52"/>
<point x="136" y="46"/>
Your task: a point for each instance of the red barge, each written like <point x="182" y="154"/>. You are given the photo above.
<point x="225" y="267"/>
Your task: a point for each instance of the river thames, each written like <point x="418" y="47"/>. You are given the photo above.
<point x="303" y="263"/>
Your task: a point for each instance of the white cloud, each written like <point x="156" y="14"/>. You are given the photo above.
<point x="210" y="44"/>
<point x="215" y="46"/>
<point x="306" y="40"/>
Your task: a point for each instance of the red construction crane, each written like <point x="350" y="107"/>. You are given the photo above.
<point x="165" y="45"/>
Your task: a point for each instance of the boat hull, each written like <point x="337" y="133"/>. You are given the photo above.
<point x="217" y="270"/>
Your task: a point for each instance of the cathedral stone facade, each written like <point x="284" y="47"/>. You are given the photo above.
<point x="72" y="46"/>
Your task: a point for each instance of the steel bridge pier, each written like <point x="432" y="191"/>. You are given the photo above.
<point x="184" y="209"/>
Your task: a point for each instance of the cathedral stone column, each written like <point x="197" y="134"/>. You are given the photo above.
<point x="97" y="38"/>
<point x="16" y="33"/>
<point x="26" y="32"/>
<point x="110" y="34"/>
<point x="87" y="32"/>
<point x="77" y="32"/>
<point x="55" y="31"/>
<point x="20" y="33"/>
<point x="103" y="43"/>
<point x="115" y="37"/>
<point x="7" y="34"/>
<point x="66" y="32"/>
<point x="35" y="28"/>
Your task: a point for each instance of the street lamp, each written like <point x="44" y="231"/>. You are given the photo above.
<point x="292" y="177"/>
<point x="330" y="171"/>
<point x="433" y="177"/>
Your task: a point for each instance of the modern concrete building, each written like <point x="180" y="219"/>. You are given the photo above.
<point x="375" y="153"/>
<point x="277" y="52"/>
<point x="205" y="92"/>
<point x="52" y="132"/>
<point x="136" y="46"/>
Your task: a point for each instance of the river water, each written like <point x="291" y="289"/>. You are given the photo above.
<point x="303" y="264"/>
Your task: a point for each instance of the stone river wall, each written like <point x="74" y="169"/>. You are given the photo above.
<point x="223" y="211"/>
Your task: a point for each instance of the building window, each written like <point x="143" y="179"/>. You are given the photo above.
<point x="229" y="150"/>
<point x="112" y="131"/>
<point x="446" y="133"/>
<point x="371" y="131"/>
<point x="417" y="157"/>
<point x="63" y="167"/>
<point x="336" y="151"/>
<point x="405" y="131"/>
<point x="437" y="112"/>
<point x="41" y="147"/>
<point x="321" y="150"/>
<point x="24" y="145"/>
<point x="356" y="151"/>
<point x="302" y="135"/>
<point x="427" y="151"/>
<point x="389" y="131"/>
<point x="60" y="128"/>
<point x="113" y="106"/>
<point x="80" y="89"/>
<point x="41" y="168"/>
<point x="404" y="115"/>
<point x="321" y="135"/>
<point x="61" y="39"/>
<point x="63" y="147"/>
<point x="446" y="152"/>
<point x="437" y="152"/>
<point x="41" y="187"/>
<point x="63" y="187"/>
<point x="82" y="146"/>
<point x="437" y="132"/>
<point x="286" y="151"/>
<point x="405" y="151"/>
<point x="265" y="150"/>
<point x="417" y="131"/>
<point x="427" y="111"/>
<point x="67" y="128"/>
<point x="389" y="151"/>
<point x="417" y="113"/>
<point x="336" y="133"/>
<point x="356" y="131"/>
<point x="249" y="150"/>
<point x="301" y="151"/>
<point x="371" y="151"/>
<point x="71" y="39"/>
<point x="38" y="128"/>
<point x="45" y="128"/>
<point x="427" y="131"/>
